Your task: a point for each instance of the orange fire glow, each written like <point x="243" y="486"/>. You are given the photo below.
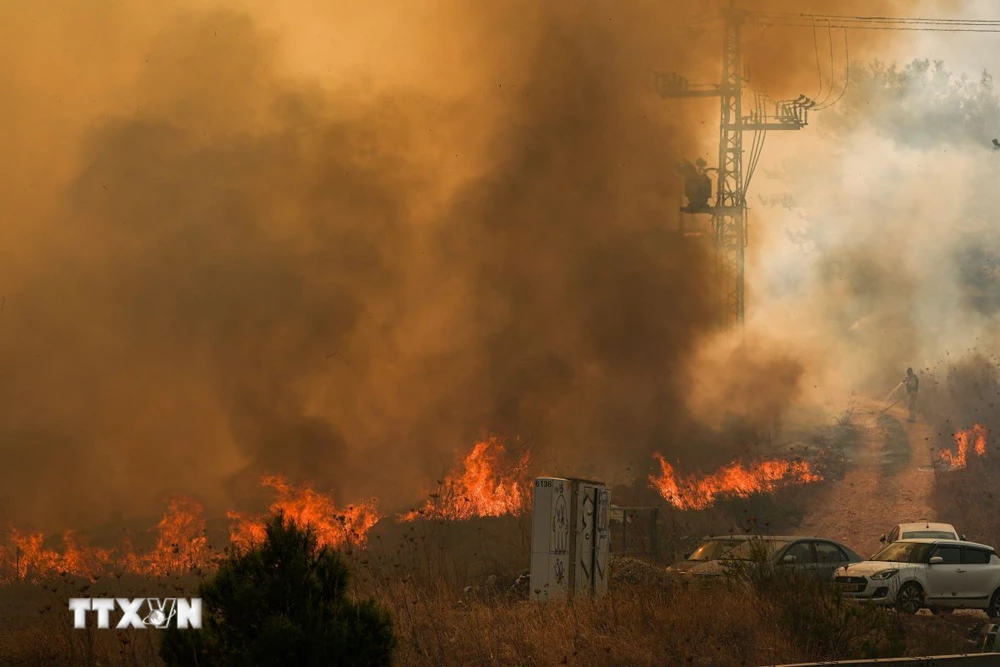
<point x="305" y="506"/>
<point x="976" y="436"/>
<point x="489" y="482"/>
<point x="733" y="480"/>
<point x="181" y="546"/>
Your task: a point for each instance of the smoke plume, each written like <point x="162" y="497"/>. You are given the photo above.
<point x="246" y="249"/>
<point x="883" y="255"/>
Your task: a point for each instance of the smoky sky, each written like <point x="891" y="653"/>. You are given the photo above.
<point x="894" y="203"/>
<point x="250" y="273"/>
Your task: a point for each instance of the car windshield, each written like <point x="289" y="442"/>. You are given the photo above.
<point x="903" y="552"/>
<point x="714" y="549"/>
<point x="756" y="548"/>
<point x="931" y="534"/>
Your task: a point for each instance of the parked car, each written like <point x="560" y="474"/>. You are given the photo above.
<point x="921" y="529"/>
<point x="711" y="549"/>
<point x="812" y="556"/>
<point x="939" y="575"/>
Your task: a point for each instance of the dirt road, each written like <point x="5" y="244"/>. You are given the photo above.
<point x="889" y="481"/>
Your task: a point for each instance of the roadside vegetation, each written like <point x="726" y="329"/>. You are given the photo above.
<point x="753" y="617"/>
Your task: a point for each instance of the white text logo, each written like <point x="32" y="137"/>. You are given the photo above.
<point x="138" y="613"/>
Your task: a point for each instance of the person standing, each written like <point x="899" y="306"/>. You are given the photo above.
<point x="912" y="383"/>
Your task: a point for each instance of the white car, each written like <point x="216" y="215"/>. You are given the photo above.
<point x="939" y="575"/>
<point x="921" y="529"/>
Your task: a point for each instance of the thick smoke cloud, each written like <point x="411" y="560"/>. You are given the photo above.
<point x="890" y="253"/>
<point x="246" y="272"/>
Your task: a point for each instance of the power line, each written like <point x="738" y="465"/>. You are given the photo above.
<point x="874" y="19"/>
<point x="819" y="72"/>
<point x="873" y="22"/>
<point x="829" y="38"/>
<point x="847" y="76"/>
<point x="881" y="27"/>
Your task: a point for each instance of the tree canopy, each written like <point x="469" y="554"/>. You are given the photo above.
<point x="283" y="602"/>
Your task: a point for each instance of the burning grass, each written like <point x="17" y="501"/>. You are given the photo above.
<point x="966" y="496"/>
<point x="969" y="440"/>
<point x="304" y="505"/>
<point x="490" y="481"/>
<point x="734" y="480"/>
<point x="181" y="546"/>
<point x="450" y="584"/>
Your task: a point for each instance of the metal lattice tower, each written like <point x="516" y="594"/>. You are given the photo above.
<point x="729" y="219"/>
<point x="729" y="214"/>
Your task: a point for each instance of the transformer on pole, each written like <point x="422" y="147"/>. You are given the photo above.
<point x="729" y="214"/>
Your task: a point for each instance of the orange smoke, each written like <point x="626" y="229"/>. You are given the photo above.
<point x="976" y="435"/>
<point x="697" y="493"/>
<point x="490" y="482"/>
<point x="334" y="528"/>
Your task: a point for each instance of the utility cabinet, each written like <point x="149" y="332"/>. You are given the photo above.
<point x="570" y="539"/>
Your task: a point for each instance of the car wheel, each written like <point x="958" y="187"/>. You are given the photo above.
<point x="910" y="598"/>
<point x="993" y="611"/>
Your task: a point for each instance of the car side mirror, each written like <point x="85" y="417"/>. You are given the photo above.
<point x="962" y="537"/>
<point x="687" y="556"/>
<point x="937" y="560"/>
<point x="882" y="539"/>
<point x="788" y="559"/>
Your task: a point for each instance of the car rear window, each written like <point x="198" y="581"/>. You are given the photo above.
<point x="930" y="534"/>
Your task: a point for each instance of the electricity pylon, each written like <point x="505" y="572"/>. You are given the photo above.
<point x="729" y="214"/>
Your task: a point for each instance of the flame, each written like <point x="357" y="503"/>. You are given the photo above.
<point x="181" y="546"/>
<point x="305" y="506"/>
<point x="489" y="482"/>
<point x="696" y="493"/>
<point x="977" y="435"/>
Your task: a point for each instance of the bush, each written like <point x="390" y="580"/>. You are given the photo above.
<point x="283" y="602"/>
<point x="818" y="620"/>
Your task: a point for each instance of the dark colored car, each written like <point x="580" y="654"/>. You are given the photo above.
<point x="813" y="556"/>
<point x="713" y="548"/>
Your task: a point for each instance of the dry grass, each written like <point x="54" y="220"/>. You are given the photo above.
<point x="36" y="626"/>
<point x="652" y="618"/>
<point x="648" y="618"/>
<point x="968" y="498"/>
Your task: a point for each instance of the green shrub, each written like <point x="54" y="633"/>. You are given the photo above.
<point x="283" y="602"/>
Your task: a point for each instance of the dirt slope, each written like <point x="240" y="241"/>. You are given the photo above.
<point x="889" y="481"/>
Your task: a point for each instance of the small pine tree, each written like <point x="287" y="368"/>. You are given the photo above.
<point x="283" y="602"/>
